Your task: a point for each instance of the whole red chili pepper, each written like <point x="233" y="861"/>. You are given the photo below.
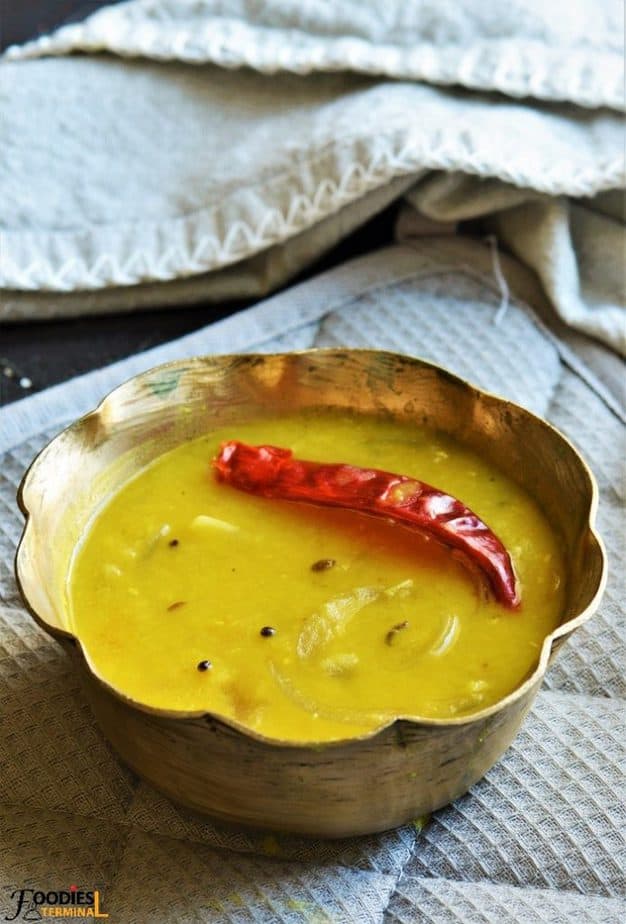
<point x="273" y="472"/>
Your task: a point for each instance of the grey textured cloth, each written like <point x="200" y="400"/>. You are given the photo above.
<point x="225" y="157"/>
<point x="541" y="838"/>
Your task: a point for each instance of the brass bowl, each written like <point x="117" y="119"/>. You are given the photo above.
<point x="361" y="785"/>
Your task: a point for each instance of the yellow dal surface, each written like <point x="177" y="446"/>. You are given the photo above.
<point x="178" y="568"/>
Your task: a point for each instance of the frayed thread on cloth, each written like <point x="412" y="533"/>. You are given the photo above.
<point x="505" y="295"/>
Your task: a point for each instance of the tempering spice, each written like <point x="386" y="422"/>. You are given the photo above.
<point x="390" y="636"/>
<point x="272" y="472"/>
<point x="324" y="564"/>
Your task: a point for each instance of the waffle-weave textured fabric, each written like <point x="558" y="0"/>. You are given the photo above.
<point x="540" y="838"/>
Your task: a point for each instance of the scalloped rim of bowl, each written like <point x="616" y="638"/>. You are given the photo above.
<point x="535" y="677"/>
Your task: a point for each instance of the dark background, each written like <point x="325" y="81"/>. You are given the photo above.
<point x="43" y="353"/>
<point x="21" y="20"/>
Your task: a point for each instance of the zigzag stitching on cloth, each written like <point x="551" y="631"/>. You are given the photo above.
<point x="518" y="70"/>
<point x="304" y="209"/>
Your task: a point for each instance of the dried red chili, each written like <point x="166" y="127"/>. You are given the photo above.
<point x="272" y="472"/>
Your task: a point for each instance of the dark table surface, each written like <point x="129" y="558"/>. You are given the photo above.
<point x="38" y="354"/>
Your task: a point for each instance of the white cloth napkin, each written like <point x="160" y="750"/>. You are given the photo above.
<point x="244" y="139"/>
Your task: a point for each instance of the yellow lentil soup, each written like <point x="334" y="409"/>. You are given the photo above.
<point x="303" y="623"/>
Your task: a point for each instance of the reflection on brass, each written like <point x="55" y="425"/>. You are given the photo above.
<point x="384" y="778"/>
